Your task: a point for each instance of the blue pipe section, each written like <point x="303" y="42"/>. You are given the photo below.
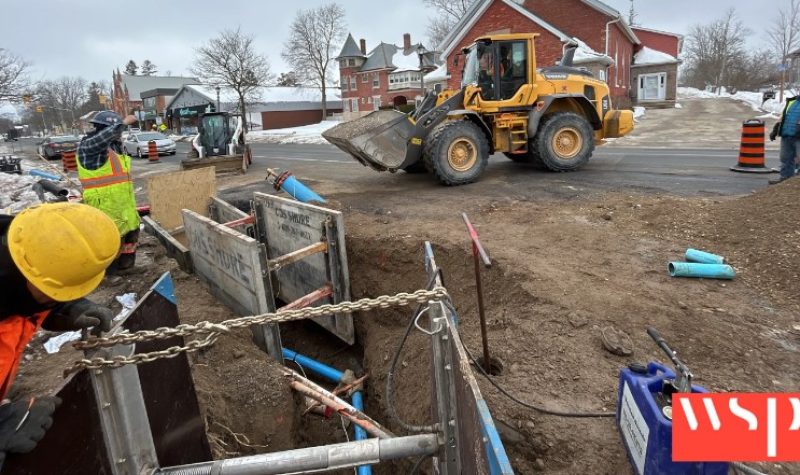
<point x="703" y="271"/>
<point x="299" y="191"/>
<point x="41" y="174"/>
<point x="702" y="257"/>
<point x="335" y="376"/>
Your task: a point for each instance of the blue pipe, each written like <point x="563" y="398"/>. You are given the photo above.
<point x="41" y="174"/>
<point x="299" y="191"/>
<point x="702" y="257"/>
<point x="333" y="375"/>
<point x="705" y="271"/>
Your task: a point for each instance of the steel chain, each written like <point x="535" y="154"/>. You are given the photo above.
<point x="215" y="330"/>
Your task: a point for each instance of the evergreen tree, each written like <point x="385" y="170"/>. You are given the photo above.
<point x="131" y="68"/>
<point x="148" y="68"/>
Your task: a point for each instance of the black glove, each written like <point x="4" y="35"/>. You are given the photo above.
<point x="23" y="423"/>
<point x="774" y="134"/>
<point x="77" y="315"/>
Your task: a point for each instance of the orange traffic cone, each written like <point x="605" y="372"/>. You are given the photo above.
<point x="751" y="151"/>
<point x="152" y="152"/>
<point x="69" y="161"/>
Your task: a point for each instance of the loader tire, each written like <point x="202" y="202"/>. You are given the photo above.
<point x="416" y="168"/>
<point x="530" y="158"/>
<point x="565" y="141"/>
<point x="458" y="153"/>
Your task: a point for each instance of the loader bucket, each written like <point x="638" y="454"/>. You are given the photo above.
<point x="377" y="140"/>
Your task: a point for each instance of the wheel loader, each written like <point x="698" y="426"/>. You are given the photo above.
<point x="551" y="117"/>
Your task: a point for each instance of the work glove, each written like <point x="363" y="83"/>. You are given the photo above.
<point x="78" y="315"/>
<point x="23" y="424"/>
<point x="773" y="135"/>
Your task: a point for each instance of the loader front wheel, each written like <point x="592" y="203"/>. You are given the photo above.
<point x="458" y="153"/>
<point x="564" y="142"/>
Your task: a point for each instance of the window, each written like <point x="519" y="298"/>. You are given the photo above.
<point x="344" y="85"/>
<point x="512" y="68"/>
<point x="353" y="83"/>
<point x="354" y="104"/>
<point x="376" y="102"/>
<point x="363" y="100"/>
<point x="149" y="103"/>
<point x="365" y="77"/>
<point x="351" y="62"/>
<point x="601" y="75"/>
<point x="342" y="63"/>
<point x="376" y="80"/>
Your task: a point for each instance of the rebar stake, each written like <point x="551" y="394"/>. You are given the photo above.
<point x="478" y="255"/>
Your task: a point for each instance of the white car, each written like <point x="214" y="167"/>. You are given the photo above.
<point x="138" y="144"/>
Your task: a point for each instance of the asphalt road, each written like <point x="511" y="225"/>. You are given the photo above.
<point x="690" y="171"/>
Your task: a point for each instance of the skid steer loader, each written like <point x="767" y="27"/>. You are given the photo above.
<point x="220" y="143"/>
<point x="551" y="117"/>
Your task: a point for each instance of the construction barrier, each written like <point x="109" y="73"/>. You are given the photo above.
<point x="69" y="160"/>
<point x="751" y="150"/>
<point x="152" y="152"/>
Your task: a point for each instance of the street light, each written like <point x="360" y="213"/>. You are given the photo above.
<point x="421" y="54"/>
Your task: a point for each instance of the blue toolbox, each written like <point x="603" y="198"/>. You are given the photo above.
<point x="644" y="416"/>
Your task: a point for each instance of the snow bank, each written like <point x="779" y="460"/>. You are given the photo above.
<point x="16" y="193"/>
<point x="754" y="99"/>
<point x="638" y="112"/>
<point x="307" y="134"/>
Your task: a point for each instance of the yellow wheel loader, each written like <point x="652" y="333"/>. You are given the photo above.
<point x="551" y="117"/>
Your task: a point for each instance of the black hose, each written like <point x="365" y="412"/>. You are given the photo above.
<point x="418" y="465"/>
<point x="390" y="402"/>
<point x="535" y="407"/>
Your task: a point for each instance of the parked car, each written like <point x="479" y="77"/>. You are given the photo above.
<point x="137" y="144"/>
<point x="51" y="147"/>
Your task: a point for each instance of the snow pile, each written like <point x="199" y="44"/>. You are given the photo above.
<point x="648" y="56"/>
<point x="437" y="75"/>
<point x="405" y="62"/>
<point x="638" y="113"/>
<point x="772" y="107"/>
<point x="585" y="54"/>
<point x="307" y="134"/>
<point x="16" y="193"/>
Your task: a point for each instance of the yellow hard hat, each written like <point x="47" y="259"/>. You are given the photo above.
<point x="63" y="249"/>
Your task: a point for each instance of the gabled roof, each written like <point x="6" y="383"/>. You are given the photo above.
<point x="136" y="85"/>
<point x="380" y="57"/>
<point x="350" y="49"/>
<point x="474" y="13"/>
<point x="615" y="14"/>
<point x="660" y="32"/>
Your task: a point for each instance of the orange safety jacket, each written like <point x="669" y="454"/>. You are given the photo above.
<point x="15" y="333"/>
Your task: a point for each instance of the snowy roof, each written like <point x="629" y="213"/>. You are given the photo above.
<point x="437" y="75"/>
<point x="136" y="85"/>
<point x="350" y="48"/>
<point x="266" y="98"/>
<point x="648" y="56"/>
<point x="474" y="13"/>
<point x="389" y="56"/>
<point x="585" y="54"/>
<point x="405" y="61"/>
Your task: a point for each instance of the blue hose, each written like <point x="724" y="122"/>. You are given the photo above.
<point x="41" y="174"/>
<point x="333" y="375"/>
<point x="299" y="191"/>
<point x="702" y="257"/>
<point x="704" y="271"/>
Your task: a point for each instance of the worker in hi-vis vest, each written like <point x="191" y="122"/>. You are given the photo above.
<point x="51" y="257"/>
<point x="105" y="174"/>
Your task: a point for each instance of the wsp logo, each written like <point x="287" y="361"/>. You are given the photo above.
<point x="745" y="427"/>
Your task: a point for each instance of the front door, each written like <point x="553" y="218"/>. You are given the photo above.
<point x="653" y="87"/>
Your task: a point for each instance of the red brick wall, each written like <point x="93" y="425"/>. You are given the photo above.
<point x="284" y="119"/>
<point x="500" y="16"/>
<point x="658" y="41"/>
<point x="618" y="77"/>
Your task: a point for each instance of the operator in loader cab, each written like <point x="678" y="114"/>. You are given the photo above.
<point x="104" y="170"/>
<point x="51" y="257"/>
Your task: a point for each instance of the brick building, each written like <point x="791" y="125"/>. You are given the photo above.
<point x="127" y="91"/>
<point x="387" y="76"/>
<point x="655" y="67"/>
<point x="607" y="44"/>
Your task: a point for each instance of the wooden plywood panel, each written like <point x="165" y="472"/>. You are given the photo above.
<point x="232" y="265"/>
<point x="172" y="192"/>
<point x="285" y="226"/>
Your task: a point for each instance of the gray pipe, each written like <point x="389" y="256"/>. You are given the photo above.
<point x="315" y="459"/>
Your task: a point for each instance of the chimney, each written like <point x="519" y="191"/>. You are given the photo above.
<point x="363" y="46"/>
<point x="407" y="41"/>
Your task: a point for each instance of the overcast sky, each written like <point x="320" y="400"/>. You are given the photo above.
<point x="90" y="38"/>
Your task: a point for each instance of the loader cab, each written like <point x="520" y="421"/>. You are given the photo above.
<point x="216" y="132"/>
<point x="499" y="68"/>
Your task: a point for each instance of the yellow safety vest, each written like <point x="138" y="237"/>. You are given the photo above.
<point x="110" y="189"/>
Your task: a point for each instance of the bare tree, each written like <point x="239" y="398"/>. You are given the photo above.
<point x="711" y="48"/>
<point x="148" y="68"/>
<point x="448" y="13"/>
<point x="315" y="37"/>
<point x="287" y="79"/>
<point x="230" y="61"/>
<point x="784" y="35"/>
<point x="14" y="79"/>
<point x="62" y="99"/>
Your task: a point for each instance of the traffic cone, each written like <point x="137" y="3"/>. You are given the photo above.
<point x="751" y="150"/>
<point x="69" y="161"/>
<point x="152" y="152"/>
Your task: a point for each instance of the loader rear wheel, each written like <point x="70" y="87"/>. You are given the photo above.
<point x="564" y="142"/>
<point x="458" y="153"/>
<point x="530" y="157"/>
